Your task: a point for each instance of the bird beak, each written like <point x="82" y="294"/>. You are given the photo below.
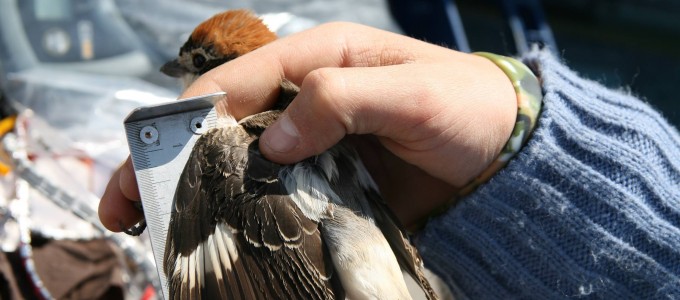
<point x="174" y="69"/>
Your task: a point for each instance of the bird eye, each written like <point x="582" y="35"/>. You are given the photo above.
<point x="198" y="60"/>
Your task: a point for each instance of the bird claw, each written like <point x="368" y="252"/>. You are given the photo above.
<point x="135" y="230"/>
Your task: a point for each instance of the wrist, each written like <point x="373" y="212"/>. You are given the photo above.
<point x="528" y="97"/>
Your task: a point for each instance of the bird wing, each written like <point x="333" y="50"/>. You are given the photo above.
<point x="407" y="255"/>
<point x="353" y="173"/>
<point x="234" y="231"/>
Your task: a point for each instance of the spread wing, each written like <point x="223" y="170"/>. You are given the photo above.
<point x="236" y="234"/>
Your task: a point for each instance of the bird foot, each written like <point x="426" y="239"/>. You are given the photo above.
<point x="134" y="230"/>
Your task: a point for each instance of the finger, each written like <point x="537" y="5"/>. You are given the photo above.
<point x="252" y="81"/>
<point x="115" y="209"/>
<point x="128" y="181"/>
<point x="418" y="115"/>
<point x="334" y="102"/>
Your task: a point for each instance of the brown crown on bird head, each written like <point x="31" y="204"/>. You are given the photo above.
<point x="234" y="32"/>
<point x="218" y="40"/>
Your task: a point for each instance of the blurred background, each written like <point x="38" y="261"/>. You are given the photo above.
<point x="625" y="44"/>
<point x="71" y="70"/>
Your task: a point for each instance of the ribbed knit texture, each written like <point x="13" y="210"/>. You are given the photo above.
<point x="590" y="207"/>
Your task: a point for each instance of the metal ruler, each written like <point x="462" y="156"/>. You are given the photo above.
<point x="161" y="138"/>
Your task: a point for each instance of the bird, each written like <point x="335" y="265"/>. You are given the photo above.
<point x="244" y="227"/>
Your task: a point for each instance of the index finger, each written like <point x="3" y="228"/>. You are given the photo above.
<point x="252" y="80"/>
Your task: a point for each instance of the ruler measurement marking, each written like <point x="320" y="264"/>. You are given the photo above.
<point x="159" y="159"/>
<point x="160" y="181"/>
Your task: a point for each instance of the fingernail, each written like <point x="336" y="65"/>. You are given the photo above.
<point x="282" y="136"/>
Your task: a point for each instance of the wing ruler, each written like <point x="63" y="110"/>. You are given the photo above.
<point x="161" y="138"/>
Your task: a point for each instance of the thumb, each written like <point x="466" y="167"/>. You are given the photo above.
<point x="334" y="102"/>
<point x="314" y="121"/>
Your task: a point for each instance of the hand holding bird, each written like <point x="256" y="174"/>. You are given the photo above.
<point x="434" y="117"/>
<point x="431" y="138"/>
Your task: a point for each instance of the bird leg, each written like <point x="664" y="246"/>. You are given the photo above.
<point x="134" y="230"/>
<point x="139" y="227"/>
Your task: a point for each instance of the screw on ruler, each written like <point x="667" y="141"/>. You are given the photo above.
<point x="161" y="138"/>
<point x="148" y="134"/>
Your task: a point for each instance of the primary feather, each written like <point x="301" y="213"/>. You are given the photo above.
<point x="244" y="227"/>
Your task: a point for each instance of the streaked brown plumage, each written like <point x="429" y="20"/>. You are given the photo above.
<point x="244" y="227"/>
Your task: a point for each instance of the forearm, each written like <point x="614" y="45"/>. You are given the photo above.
<point x="590" y="205"/>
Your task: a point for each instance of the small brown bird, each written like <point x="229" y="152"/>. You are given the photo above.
<point x="244" y="227"/>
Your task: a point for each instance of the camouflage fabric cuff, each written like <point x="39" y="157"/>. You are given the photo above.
<point x="529" y="98"/>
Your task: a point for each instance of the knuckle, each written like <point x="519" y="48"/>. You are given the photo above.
<point x="325" y="84"/>
<point x="325" y="100"/>
<point x="327" y="91"/>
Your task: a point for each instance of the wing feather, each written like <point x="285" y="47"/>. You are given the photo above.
<point x="352" y="173"/>
<point x="236" y="233"/>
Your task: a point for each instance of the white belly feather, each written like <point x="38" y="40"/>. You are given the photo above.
<point x="363" y="260"/>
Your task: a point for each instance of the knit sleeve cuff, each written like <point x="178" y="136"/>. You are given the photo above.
<point x="589" y="207"/>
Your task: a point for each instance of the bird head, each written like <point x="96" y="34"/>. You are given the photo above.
<point x="217" y="40"/>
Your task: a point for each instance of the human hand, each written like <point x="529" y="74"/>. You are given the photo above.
<point x="426" y="120"/>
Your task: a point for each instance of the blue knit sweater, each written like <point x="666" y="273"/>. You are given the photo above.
<point x="590" y="207"/>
